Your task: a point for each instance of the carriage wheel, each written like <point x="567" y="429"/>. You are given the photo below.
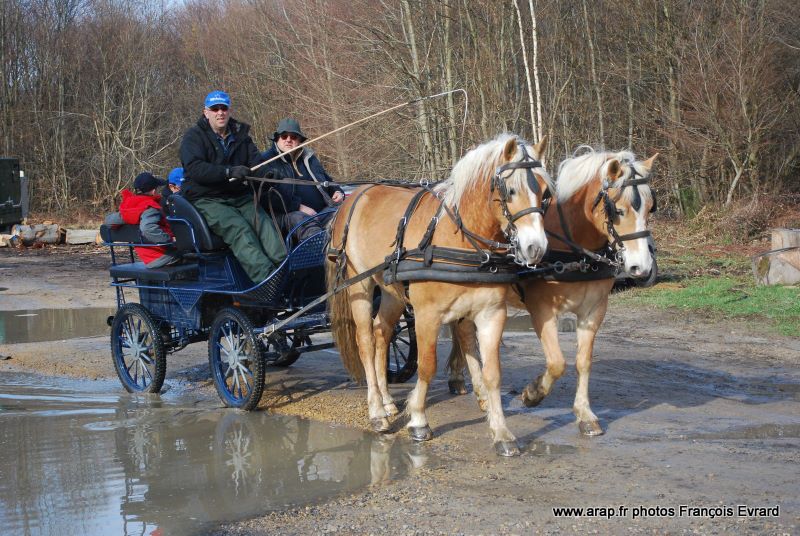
<point x="401" y="360"/>
<point x="236" y="360"/>
<point x="138" y="349"/>
<point x="287" y="347"/>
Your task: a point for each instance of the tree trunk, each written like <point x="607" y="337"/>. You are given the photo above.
<point x="595" y="81"/>
<point x="539" y="125"/>
<point x="534" y="128"/>
<point x="429" y="161"/>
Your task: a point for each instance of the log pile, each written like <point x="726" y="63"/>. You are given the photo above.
<point x="780" y="265"/>
<point x="47" y="233"/>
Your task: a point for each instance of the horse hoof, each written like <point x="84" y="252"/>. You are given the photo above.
<point x="390" y="409"/>
<point x="590" y="429"/>
<point x="420" y="433"/>
<point x="506" y="448"/>
<point x="531" y="397"/>
<point x="379" y="425"/>
<point x="457" y="387"/>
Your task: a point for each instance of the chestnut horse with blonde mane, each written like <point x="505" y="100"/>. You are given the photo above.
<point x="493" y="196"/>
<point x="602" y="203"/>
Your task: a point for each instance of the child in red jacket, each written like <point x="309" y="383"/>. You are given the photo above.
<point x="142" y="207"/>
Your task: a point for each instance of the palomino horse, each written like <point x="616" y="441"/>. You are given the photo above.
<point x="602" y="204"/>
<point x="494" y="193"/>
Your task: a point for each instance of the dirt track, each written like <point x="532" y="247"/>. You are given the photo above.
<point x="696" y="413"/>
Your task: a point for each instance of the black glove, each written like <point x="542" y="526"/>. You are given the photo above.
<point x="270" y="174"/>
<point x="238" y="172"/>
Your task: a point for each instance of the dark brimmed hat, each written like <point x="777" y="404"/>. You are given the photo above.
<point x="289" y="125"/>
<point x="144" y="182"/>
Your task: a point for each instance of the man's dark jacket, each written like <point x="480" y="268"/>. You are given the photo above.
<point x="205" y="164"/>
<point x="309" y="168"/>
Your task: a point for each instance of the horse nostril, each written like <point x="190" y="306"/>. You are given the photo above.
<point x="534" y="253"/>
<point x="635" y="271"/>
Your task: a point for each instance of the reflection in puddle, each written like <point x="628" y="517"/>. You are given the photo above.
<point x="761" y="431"/>
<point x="540" y="448"/>
<point x="81" y="463"/>
<point x="36" y="325"/>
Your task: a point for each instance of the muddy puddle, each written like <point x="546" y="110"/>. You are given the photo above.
<point x="37" y="325"/>
<point x="80" y="458"/>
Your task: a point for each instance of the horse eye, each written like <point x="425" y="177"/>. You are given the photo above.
<point x="512" y="191"/>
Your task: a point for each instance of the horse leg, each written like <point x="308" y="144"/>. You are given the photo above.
<point x="464" y="334"/>
<point x="587" y="328"/>
<point x="427" y="326"/>
<point x="490" y="323"/>
<point x="361" y="306"/>
<point x="389" y="313"/>
<point x="455" y="364"/>
<point x="545" y="322"/>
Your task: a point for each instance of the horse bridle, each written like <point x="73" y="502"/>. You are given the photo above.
<point x="528" y="163"/>
<point x="611" y="210"/>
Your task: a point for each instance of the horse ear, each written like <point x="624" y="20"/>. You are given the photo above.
<point x="510" y="149"/>
<point x="614" y="169"/>
<point x="539" y="148"/>
<point x="648" y="164"/>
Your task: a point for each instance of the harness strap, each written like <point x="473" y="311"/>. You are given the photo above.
<point x="526" y="211"/>
<point x="341" y="253"/>
<point x="634" y="236"/>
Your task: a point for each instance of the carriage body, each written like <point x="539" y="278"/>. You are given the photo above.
<point x="208" y="297"/>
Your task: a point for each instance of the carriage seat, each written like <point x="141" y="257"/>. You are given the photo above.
<point x="138" y="271"/>
<point x="190" y="228"/>
<point x="123" y="235"/>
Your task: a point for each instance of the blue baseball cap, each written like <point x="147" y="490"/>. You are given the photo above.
<point x="217" y="97"/>
<point x="176" y="176"/>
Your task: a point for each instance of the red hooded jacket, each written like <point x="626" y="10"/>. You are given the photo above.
<point x="131" y="209"/>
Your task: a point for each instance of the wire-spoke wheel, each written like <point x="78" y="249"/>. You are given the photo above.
<point x="401" y="360"/>
<point x="138" y="349"/>
<point x="236" y="360"/>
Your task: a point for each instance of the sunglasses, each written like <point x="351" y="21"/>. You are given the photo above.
<point x="219" y="107"/>
<point x="287" y="136"/>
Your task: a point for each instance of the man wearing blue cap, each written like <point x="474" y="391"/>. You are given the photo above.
<point x="217" y="154"/>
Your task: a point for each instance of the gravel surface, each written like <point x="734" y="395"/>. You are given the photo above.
<point x="696" y="412"/>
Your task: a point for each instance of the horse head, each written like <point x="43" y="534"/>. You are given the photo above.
<point x="520" y="189"/>
<point x="627" y="201"/>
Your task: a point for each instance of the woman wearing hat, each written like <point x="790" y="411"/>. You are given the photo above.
<point x="299" y="202"/>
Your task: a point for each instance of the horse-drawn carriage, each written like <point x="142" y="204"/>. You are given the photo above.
<point x="209" y="297"/>
<point x="481" y="243"/>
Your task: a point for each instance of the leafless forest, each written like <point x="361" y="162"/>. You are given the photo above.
<point x="95" y="91"/>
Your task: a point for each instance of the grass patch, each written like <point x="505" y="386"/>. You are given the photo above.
<point x="733" y="297"/>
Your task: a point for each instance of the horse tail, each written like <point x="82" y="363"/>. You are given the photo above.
<point x="343" y="327"/>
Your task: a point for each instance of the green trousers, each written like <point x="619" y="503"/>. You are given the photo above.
<point x="259" y="250"/>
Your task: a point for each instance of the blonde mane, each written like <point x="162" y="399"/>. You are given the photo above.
<point x="581" y="169"/>
<point x="482" y="162"/>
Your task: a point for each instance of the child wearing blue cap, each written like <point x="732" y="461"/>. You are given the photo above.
<point x="174" y="183"/>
